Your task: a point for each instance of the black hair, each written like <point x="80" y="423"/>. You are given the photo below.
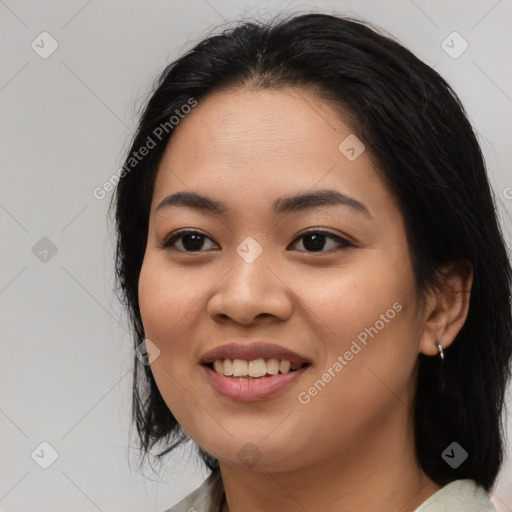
<point x="418" y="134"/>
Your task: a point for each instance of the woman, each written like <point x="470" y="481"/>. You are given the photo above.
<point x="309" y="251"/>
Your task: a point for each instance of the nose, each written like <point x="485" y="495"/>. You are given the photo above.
<point x="250" y="292"/>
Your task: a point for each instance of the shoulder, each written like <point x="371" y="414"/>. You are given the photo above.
<point x="206" y="498"/>
<point x="458" y="496"/>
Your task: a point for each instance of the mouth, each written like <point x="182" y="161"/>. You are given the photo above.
<point x="260" y="368"/>
<point x="243" y="386"/>
<point x="250" y="352"/>
<point x="252" y="371"/>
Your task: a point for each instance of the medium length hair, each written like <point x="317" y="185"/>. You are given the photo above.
<point x="418" y="135"/>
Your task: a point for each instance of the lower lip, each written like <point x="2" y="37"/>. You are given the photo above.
<point x="250" y="390"/>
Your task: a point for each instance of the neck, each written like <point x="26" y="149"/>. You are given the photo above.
<point x="379" y="472"/>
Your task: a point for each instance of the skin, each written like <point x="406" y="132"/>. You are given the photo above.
<point x="351" y="447"/>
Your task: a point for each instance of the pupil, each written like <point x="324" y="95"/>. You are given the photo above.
<point x="318" y="242"/>
<point x="192" y="241"/>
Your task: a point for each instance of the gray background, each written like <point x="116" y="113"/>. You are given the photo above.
<point x="66" y="121"/>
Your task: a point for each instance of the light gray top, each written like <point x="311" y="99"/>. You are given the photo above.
<point x="457" y="496"/>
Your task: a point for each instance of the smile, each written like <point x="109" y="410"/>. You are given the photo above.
<point x="247" y="381"/>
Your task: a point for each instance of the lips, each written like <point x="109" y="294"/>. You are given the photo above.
<point x="251" y="351"/>
<point x="251" y="390"/>
<point x="240" y="387"/>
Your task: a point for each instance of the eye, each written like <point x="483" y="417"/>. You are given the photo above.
<point x="191" y="241"/>
<point x="315" y="240"/>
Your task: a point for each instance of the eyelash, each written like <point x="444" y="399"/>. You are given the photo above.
<point x="344" y="243"/>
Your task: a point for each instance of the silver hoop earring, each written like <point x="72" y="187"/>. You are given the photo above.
<point x="440" y="349"/>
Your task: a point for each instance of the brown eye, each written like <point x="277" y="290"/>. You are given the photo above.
<point x="316" y="240"/>
<point x="313" y="241"/>
<point x="191" y="241"/>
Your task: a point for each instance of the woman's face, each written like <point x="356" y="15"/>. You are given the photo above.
<point x="344" y="300"/>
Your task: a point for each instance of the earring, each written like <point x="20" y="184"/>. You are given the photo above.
<point x="440" y="349"/>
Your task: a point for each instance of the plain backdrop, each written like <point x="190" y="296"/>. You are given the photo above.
<point x="66" y="121"/>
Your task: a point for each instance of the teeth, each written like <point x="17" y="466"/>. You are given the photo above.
<point x="255" y="368"/>
<point x="218" y="366"/>
<point x="284" y="366"/>
<point x="240" y="367"/>
<point x="273" y="366"/>
<point x="226" y="367"/>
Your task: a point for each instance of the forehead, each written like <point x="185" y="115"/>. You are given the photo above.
<point x="241" y="123"/>
<point x="257" y="143"/>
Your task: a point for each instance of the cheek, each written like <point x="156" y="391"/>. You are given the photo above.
<point x="153" y="297"/>
<point x="365" y="320"/>
<point x="344" y="301"/>
<point x="165" y="302"/>
<point x="165" y="296"/>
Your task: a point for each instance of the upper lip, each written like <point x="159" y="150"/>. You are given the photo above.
<point x="251" y="351"/>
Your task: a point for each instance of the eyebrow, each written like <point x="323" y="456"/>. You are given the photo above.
<point x="299" y="202"/>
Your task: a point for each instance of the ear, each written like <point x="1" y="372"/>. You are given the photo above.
<point x="446" y="306"/>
